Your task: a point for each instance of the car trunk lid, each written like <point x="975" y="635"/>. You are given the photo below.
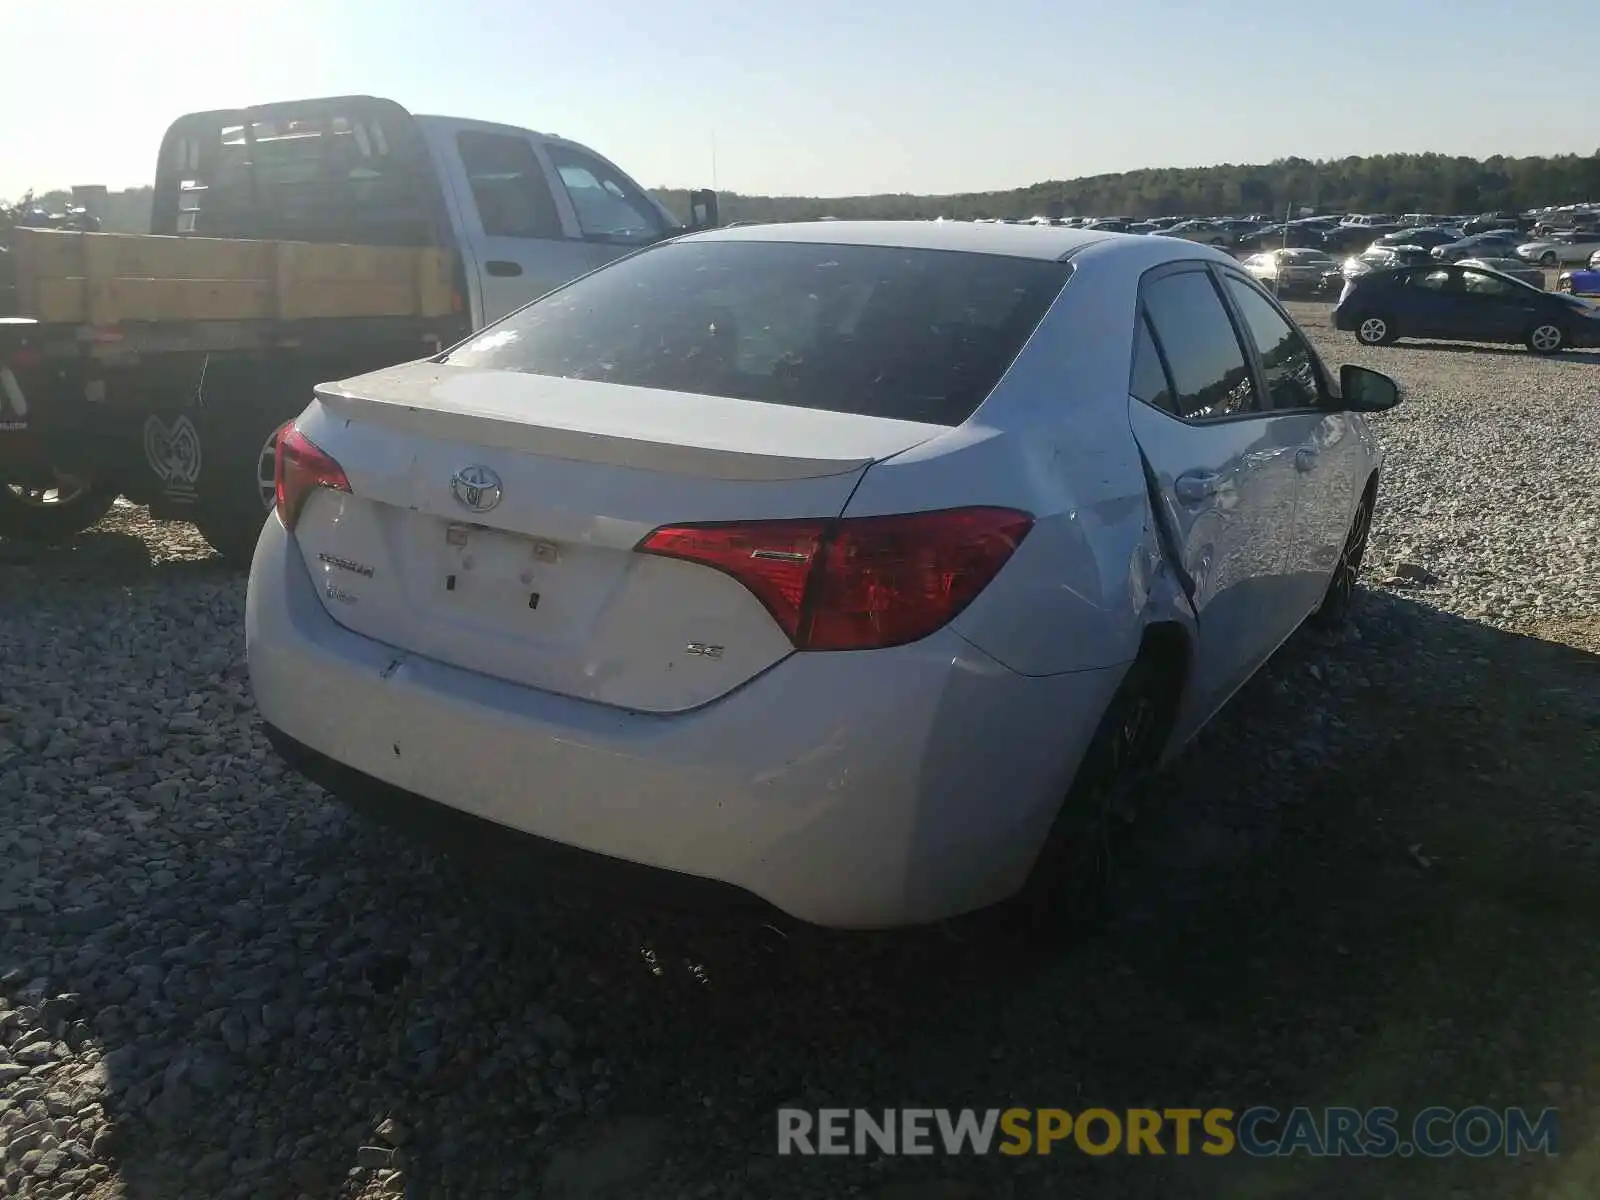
<point x="493" y="519"/>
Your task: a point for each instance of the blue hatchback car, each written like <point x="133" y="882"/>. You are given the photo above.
<point x="1583" y="282"/>
<point x="1466" y="304"/>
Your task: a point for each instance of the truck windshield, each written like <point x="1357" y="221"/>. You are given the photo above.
<point x="911" y="334"/>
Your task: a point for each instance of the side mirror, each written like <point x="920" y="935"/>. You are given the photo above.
<point x="703" y="209"/>
<point x="1364" y="390"/>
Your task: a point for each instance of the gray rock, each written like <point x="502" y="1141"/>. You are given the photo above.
<point x="614" y="1161"/>
<point x="37" y="1052"/>
<point x="211" y="1165"/>
<point x="60" y="1103"/>
<point x="550" y="1027"/>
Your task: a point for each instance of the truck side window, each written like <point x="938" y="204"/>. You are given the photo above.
<point x="610" y="206"/>
<point x="508" y="186"/>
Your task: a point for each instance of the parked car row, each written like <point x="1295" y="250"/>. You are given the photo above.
<point x="1296" y="271"/>
<point x="1495" y="294"/>
<point x="1551" y="238"/>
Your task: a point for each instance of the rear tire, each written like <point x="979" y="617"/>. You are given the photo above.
<point x="45" y="516"/>
<point x="1068" y="887"/>
<point x="1547" y="337"/>
<point x="1374" y="329"/>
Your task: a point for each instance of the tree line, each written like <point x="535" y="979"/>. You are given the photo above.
<point x="1394" y="183"/>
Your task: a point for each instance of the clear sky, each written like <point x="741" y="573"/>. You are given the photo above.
<point x="824" y="97"/>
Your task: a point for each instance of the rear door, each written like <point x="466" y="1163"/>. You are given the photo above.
<point x="1497" y="309"/>
<point x="1222" y="475"/>
<point x="1433" y="305"/>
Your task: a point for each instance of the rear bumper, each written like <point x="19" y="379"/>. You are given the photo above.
<point x="505" y="855"/>
<point x="859" y="790"/>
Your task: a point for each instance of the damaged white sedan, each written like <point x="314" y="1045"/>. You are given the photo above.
<point x="849" y="570"/>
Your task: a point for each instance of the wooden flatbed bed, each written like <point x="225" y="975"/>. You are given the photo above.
<point x="150" y="286"/>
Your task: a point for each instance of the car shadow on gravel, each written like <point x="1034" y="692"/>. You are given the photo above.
<point x="1372" y="882"/>
<point x="107" y="550"/>
<point x="101" y="554"/>
<point x="1575" y="355"/>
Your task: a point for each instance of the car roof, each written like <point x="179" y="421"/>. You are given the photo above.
<point x="1045" y="242"/>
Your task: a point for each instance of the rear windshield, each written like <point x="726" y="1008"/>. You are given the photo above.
<point x="916" y="335"/>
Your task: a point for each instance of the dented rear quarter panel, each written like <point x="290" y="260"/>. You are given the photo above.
<point x="1053" y="439"/>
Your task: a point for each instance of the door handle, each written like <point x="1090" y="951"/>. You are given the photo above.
<point x="1197" y="486"/>
<point x="500" y="267"/>
<point x="1305" y="458"/>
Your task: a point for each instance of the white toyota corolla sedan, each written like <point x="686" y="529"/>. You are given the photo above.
<point x="853" y="570"/>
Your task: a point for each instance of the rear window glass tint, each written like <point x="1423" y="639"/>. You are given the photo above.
<point x="1148" y="381"/>
<point x="915" y="335"/>
<point x="1203" y="352"/>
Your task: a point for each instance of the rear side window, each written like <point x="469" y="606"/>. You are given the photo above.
<point x="1149" y="382"/>
<point x="1209" y="370"/>
<point x="915" y="335"/>
<point x="508" y="185"/>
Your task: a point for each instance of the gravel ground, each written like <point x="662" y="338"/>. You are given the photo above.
<point x="1371" y="882"/>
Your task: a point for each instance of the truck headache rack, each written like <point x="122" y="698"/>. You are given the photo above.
<point x="341" y="169"/>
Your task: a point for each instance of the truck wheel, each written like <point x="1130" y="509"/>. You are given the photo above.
<point x="49" y="515"/>
<point x="238" y="503"/>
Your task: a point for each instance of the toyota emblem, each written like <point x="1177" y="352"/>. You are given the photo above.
<point x="476" y="488"/>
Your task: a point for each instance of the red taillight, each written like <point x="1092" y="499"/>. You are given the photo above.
<point x="856" y="583"/>
<point x="300" y="468"/>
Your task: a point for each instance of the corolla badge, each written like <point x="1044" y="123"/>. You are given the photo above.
<point x="477" y="488"/>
